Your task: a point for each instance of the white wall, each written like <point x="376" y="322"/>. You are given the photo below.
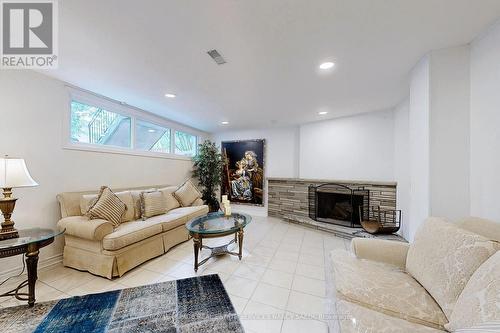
<point x="32" y="111"/>
<point x="485" y="124"/>
<point x="352" y="148"/>
<point x="402" y="163"/>
<point x="419" y="207"/>
<point x="449" y="132"/>
<point x="281" y="155"/>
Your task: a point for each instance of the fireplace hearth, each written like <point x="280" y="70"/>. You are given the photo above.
<point x="338" y="204"/>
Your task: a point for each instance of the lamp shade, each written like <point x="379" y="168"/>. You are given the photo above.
<point x="13" y="173"/>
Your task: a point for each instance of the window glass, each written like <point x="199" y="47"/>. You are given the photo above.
<point x="151" y="137"/>
<point x="185" y="144"/>
<point x="94" y="125"/>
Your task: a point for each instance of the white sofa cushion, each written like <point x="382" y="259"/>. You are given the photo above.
<point x="190" y="212"/>
<point x="129" y="233"/>
<point x="443" y="257"/>
<point x="479" y="302"/>
<point x="384" y="288"/>
<point x="83" y="227"/>
<point x="353" y="318"/>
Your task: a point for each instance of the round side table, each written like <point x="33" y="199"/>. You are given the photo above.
<point x="29" y="243"/>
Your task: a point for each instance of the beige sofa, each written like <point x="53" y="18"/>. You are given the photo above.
<point x="447" y="280"/>
<point x="95" y="246"/>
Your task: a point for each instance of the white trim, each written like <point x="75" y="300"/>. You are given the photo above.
<point x="124" y="151"/>
<point x="44" y="263"/>
<point x="87" y="97"/>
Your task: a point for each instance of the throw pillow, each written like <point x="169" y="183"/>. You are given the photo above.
<point x="187" y="193"/>
<point x="172" y="202"/>
<point x="443" y="257"/>
<point x="107" y="207"/>
<point x="152" y="204"/>
<point x="479" y="302"/>
<point x="87" y="200"/>
<point x="136" y="196"/>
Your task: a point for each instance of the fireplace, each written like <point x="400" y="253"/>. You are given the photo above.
<point x="338" y="204"/>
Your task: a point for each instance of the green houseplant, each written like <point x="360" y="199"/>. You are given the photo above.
<point x="207" y="168"/>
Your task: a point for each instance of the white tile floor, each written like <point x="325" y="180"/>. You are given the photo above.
<point x="280" y="279"/>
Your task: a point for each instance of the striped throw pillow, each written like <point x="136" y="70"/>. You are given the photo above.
<point x="152" y="204"/>
<point x="107" y="207"/>
<point x="187" y="193"/>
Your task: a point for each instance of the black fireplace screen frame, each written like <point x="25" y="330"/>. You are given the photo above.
<point x="352" y="191"/>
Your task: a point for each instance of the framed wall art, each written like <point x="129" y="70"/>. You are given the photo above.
<point x="243" y="172"/>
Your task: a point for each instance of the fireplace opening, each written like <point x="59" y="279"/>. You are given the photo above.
<point x="338" y="204"/>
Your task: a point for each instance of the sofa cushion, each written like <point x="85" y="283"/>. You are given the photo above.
<point x="190" y="212"/>
<point x="107" y="207"/>
<point x="443" y="257"/>
<point x="125" y="196"/>
<point x="384" y="288"/>
<point x="479" y="302"/>
<point x="187" y="193"/>
<point x="152" y="204"/>
<point x="353" y="318"/>
<point x="172" y="202"/>
<point x="83" y="227"/>
<point x="129" y="233"/>
<point x="169" y="221"/>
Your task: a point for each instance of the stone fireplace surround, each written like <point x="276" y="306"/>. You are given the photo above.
<point x="289" y="199"/>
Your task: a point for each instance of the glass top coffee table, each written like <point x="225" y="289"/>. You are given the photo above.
<point x="217" y="225"/>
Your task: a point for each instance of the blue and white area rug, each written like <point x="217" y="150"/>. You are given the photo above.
<point x="199" y="304"/>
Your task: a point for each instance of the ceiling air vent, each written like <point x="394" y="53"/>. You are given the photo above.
<point x="217" y="57"/>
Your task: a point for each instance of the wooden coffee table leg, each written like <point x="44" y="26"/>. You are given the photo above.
<point x="240" y="242"/>
<point x="196" y="244"/>
<point x="32" y="264"/>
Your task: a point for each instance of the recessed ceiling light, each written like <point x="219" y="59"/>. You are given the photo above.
<point x="169" y="95"/>
<point x="327" y="65"/>
<point x="224" y="122"/>
<point x="322" y="113"/>
<point x="151" y="130"/>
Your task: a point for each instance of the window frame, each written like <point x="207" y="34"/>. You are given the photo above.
<point x="85" y="97"/>
<point x="196" y="141"/>
<point x="157" y="124"/>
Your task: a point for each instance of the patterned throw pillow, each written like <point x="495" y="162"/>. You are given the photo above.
<point x="107" y="207"/>
<point x="152" y="204"/>
<point x="87" y="200"/>
<point x="187" y="193"/>
<point x="136" y="197"/>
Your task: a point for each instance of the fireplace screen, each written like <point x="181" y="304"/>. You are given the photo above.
<point x="338" y="204"/>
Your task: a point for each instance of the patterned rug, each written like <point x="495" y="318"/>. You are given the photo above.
<point x="199" y="304"/>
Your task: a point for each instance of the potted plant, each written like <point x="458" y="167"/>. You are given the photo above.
<point x="207" y="168"/>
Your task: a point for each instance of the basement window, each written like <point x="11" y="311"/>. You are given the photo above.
<point x="185" y="144"/>
<point x="100" y="124"/>
<point x="96" y="126"/>
<point x="152" y="137"/>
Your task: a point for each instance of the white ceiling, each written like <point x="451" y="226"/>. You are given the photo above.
<point x="136" y="51"/>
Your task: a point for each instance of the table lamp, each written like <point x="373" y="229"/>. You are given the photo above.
<point x="13" y="173"/>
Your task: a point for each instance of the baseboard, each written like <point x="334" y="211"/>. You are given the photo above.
<point x="43" y="263"/>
